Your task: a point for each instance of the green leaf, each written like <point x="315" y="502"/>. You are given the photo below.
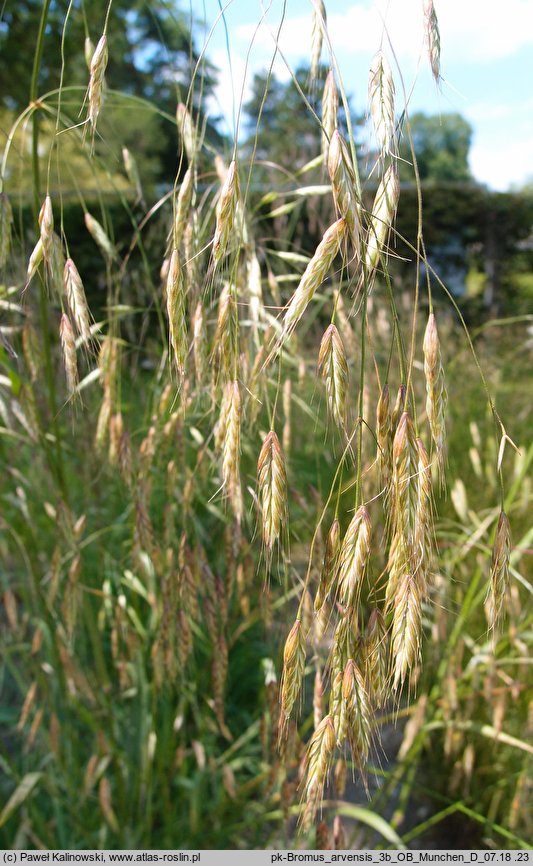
<point x="371" y="819"/>
<point x="19" y="795"/>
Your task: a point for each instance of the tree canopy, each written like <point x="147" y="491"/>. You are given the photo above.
<point x="441" y="144"/>
<point x="151" y="56"/>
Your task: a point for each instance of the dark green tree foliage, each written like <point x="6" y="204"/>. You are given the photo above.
<point x="290" y="132"/>
<point x="151" y="55"/>
<point x="441" y="143"/>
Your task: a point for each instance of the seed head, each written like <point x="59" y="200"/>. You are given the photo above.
<point x="68" y="345"/>
<point x="225" y="212"/>
<point x="432" y="36"/>
<point x="272" y="482"/>
<point x="177" y="312"/>
<point x="317" y="763"/>
<point x="383" y="213"/>
<point x="353" y="558"/>
<point x="436" y="396"/>
<point x="333" y="367"/>
<point x="99" y="236"/>
<point x="183" y="204"/>
<point x="381" y="99"/>
<point x="343" y="184"/>
<point x="76" y="299"/>
<point x="46" y="224"/>
<point x="314" y="275"/>
<point x="499" y="577"/>
<point x="186" y="130"/>
<point x="232" y="447"/>
<point x="330" y="104"/>
<point x="96" y="80"/>
<point x="317" y="37"/>
<point x="294" y="654"/>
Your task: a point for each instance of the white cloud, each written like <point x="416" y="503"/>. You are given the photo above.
<point x="471" y="30"/>
<point x="499" y="173"/>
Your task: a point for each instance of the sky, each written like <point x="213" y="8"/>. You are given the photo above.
<point x="486" y="63"/>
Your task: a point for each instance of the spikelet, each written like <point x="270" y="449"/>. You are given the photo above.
<point x="381" y="100"/>
<point x="318" y="694"/>
<point x="383" y="213"/>
<point x="357" y="713"/>
<point x="116" y="433"/>
<point x="432" y="37"/>
<point x="31" y="350"/>
<point x="436" y="397"/>
<point x="6" y="221"/>
<point x="499" y="577"/>
<point x="317" y="37"/>
<point x="398" y="408"/>
<point x="132" y="171"/>
<point x="177" y="311"/>
<point x="343" y="185"/>
<point x="330" y="105"/>
<point x="294" y="654"/>
<point x="183" y="204"/>
<point x="99" y="236"/>
<point x="402" y="503"/>
<point x="375" y="657"/>
<point x="46" y="225"/>
<point x="199" y="343"/>
<point x="329" y="566"/>
<point x="405" y="492"/>
<point x="96" y="81"/>
<point x="76" y="299"/>
<point x="227" y="330"/>
<point x="68" y="346"/>
<point x="383" y="438"/>
<point x="36" y="258"/>
<point x="423" y="534"/>
<point x="406" y="626"/>
<point x="353" y="557"/>
<point x="272" y="482"/>
<point x="225" y="211"/>
<point x="333" y="367"/>
<point x="186" y="130"/>
<point x="219" y="431"/>
<point x="88" y="51"/>
<point x="317" y="763"/>
<point x="232" y="446"/>
<point x="313" y="276"/>
<point x="255" y="293"/>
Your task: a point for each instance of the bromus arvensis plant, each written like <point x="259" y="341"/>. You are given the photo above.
<point x="165" y="542"/>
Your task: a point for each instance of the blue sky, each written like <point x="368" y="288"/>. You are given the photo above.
<point x="486" y="63"/>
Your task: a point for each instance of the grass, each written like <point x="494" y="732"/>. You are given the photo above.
<point x="169" y="678"/>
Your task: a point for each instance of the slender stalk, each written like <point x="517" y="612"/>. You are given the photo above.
<point x="57" y="463"/>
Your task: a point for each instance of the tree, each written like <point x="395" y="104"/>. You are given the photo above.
<point x="441" y="144"/>
<point x="290" y="133"/>
<point x="151" y="55"/>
